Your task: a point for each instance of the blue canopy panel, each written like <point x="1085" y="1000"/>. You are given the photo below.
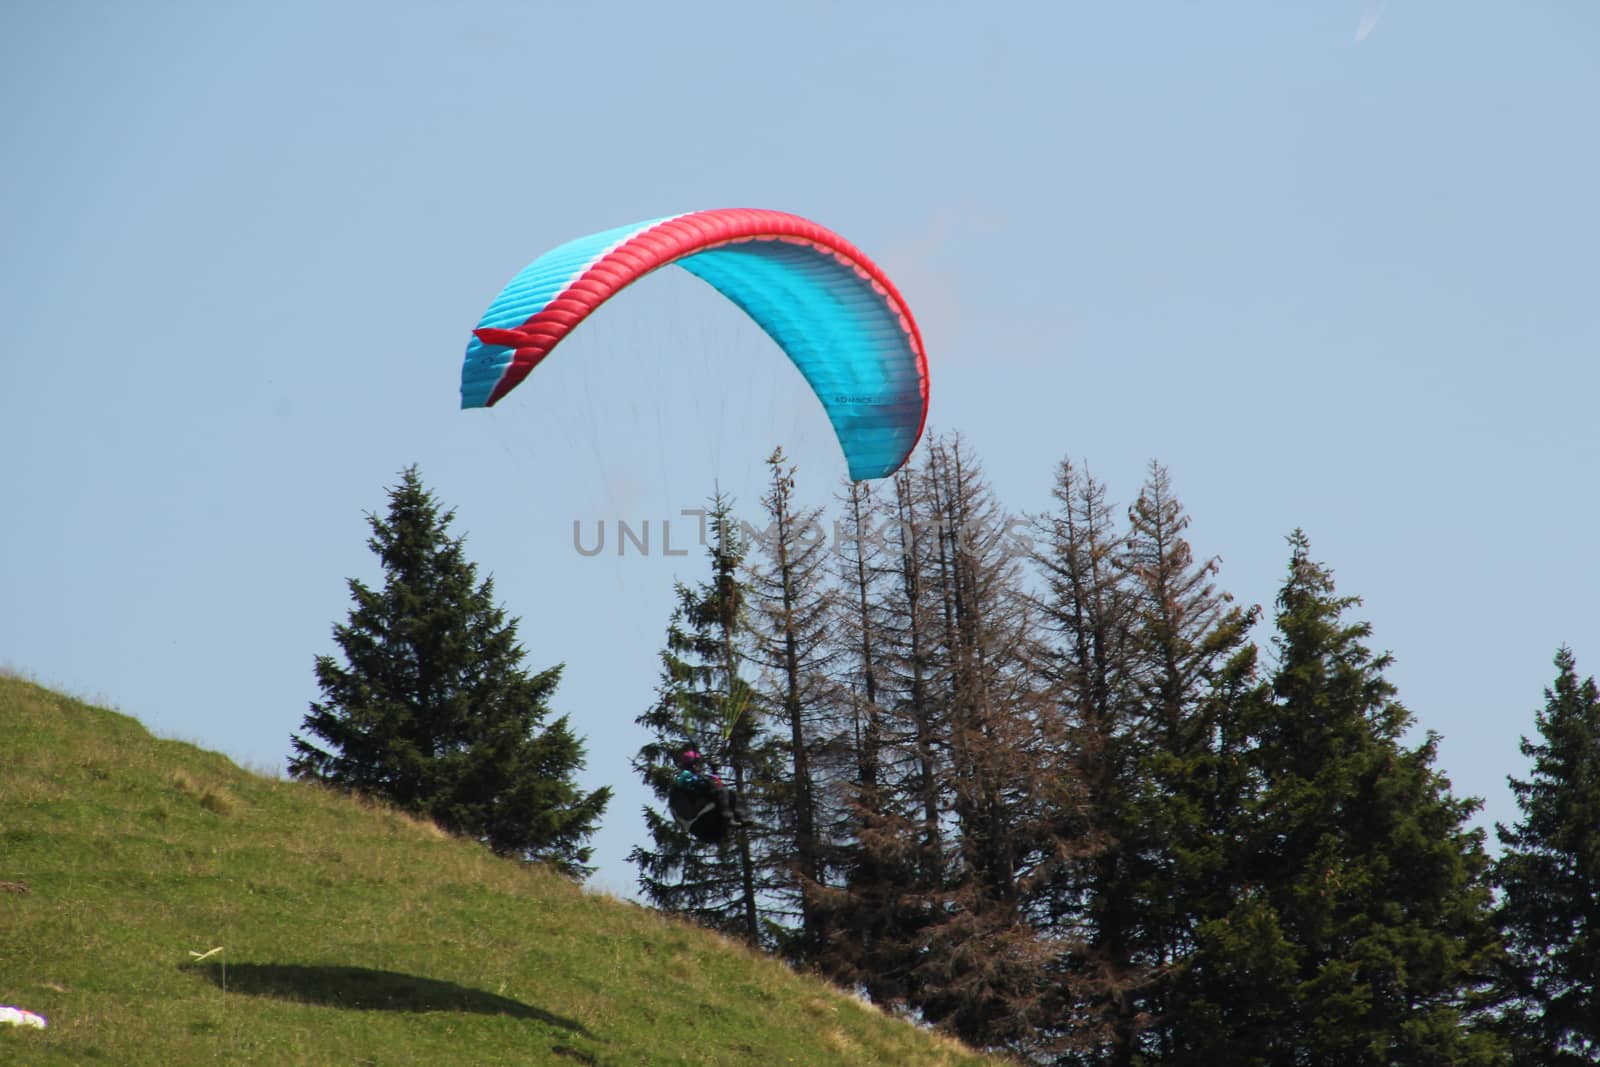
<point x="845" y="339"/>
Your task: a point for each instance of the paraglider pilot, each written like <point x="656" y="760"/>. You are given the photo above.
<point x="700" y="801"/>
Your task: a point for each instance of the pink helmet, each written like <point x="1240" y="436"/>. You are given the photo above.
<point x="689" y="758"/>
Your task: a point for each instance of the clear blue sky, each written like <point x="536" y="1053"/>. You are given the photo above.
<point x="1333" y="281"/>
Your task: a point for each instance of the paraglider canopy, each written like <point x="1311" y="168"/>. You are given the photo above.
<point x="828" y="307"/>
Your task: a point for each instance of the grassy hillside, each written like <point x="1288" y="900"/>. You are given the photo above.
<point x="348" y="934"/>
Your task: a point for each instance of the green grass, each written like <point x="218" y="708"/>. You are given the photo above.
<point x="349" y="934"/>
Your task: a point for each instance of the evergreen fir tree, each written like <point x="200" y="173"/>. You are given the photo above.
<point x="432" y="709"/>
<point x="916" y="672"/>
<point x="704" y="702"/>
<point x="942" y="856"/>
<point x="1549" y="877"/>
<point x="1085" y="659"/>
<point x="792" y="645"/>
<point x="876" y="915"/>
<point x="1193" y="667"/>
<point x="984" y="976"/>
<point x="1360" y="933"/>
<point x="857" y="636"/>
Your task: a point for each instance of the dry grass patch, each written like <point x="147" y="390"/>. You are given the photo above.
<point x="217" y="801"/>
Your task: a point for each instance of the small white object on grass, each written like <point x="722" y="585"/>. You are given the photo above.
<point x="19" y="1017"/>
<point x="198" y="956"/>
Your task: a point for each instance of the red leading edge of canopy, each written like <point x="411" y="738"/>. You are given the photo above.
<point x="672" y="240"/>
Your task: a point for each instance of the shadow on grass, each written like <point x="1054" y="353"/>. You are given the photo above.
<point x="365" y="989"/>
